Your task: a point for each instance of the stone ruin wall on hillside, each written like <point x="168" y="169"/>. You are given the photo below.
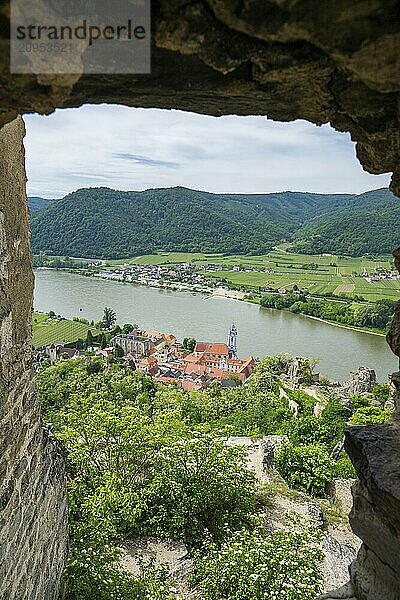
<point x="288" y="59"/>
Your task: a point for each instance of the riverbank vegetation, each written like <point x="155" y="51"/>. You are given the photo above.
<point x="377" y="316"/>
<point x="152" y="460"/>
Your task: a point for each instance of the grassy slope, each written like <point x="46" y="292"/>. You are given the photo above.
<point x="49" y="331"/>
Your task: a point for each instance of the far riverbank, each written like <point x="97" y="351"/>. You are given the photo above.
<point x="207" y="317"/>
<point x="219" y="292"/>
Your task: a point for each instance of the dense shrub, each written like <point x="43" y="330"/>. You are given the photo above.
<point x="305" y="468"/>
<point x="344" y="467"/>
<point x="257" y="566"/>
<point x="93" y="571"/>
<point x="133" y="475"/>
<point x="196" y="485"/>
<point x="370" y="415"/>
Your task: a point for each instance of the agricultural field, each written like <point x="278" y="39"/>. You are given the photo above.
<point x="48" y="330"/>
<point x="316" y="274"/>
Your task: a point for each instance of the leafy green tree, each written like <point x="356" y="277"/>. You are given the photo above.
<point x="79" y="344"/>
<point x="128" y="328"/>
<point x="119" y="352"/>
<point x="137" y="473"/>
<point x="196" y="486"/>
<point x="89" y="339"/>
<point x="109" y="318"/>
<point x="102" y="341"/>
<point x="189" y="344"/>
<point x="94" y="366"/>
<point x="332" y="423"/>
<point x="116" y="330"/>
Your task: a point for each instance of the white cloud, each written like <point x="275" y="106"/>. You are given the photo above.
<point x="135" y="149"/>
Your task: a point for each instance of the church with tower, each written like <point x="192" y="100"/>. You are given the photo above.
<point x="220" y="358"/>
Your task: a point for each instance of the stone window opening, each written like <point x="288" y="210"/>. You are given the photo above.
<point x="339" y="65"/>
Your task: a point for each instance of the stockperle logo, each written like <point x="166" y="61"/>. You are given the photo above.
<point x="56" y="37"/>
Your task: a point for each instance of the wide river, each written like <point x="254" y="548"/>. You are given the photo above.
<point x="260" y="331"/>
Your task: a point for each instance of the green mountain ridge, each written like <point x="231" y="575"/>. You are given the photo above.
<point x="365" y="225"/>
<point x="37" y="203"/>
<point x="107" y="223"/>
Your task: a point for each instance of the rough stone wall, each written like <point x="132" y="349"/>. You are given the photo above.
<point x="323" y="61"/>
<point x="33" y="531"/>
<point x="375" y="516"/>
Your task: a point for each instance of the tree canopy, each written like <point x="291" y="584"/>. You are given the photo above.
<point x="107" y="223"/>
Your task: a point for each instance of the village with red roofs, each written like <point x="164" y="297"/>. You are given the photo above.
<point x="171" y="362"/>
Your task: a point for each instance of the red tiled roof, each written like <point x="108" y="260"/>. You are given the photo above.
<point x="166" y="380"/>
<point x="197" y="369"/>
<point x="234" y="361"/>
<point x="219" y="374"/>
<point x="159" y="335"/>
<point x="185" y="384"/>
<point x="212" y="348"/>
<point x="248" y="362"/>
<point x="190" y="358"/>
<point x="149" y="360"/>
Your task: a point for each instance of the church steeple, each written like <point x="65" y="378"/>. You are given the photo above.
<point x="232" y="340"/>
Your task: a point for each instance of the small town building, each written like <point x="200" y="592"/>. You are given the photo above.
<point x="133" y="344"/>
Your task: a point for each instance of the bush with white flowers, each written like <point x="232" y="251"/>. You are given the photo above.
<point x="255" y="565"/>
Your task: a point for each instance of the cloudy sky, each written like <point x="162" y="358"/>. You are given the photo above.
<point x="135" y="149"/>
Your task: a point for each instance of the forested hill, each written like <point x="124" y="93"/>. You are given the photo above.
<point x="36" y="203"/>
<point x="105" y="223"/>
<point x="364" y="224"/>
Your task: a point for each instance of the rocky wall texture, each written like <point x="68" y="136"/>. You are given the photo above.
<point x="375" y="516"/>
<point x="336" y="62"/>
<point x="33" y="530"/>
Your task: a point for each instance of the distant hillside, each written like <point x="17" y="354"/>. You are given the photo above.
<point x="105" y="223"/>
<point x="364" y="224"/>
<point x="36" y="203"/>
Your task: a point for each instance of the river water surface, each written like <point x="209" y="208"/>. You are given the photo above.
<point x="260" y="331"/>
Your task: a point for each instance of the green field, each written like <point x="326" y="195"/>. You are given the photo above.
<point x="330" y="274"/>
<point x="49" y="331"/>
